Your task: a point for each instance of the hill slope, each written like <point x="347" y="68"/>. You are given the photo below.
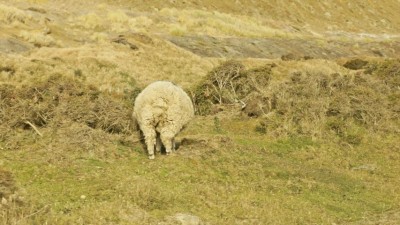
<point x="305" y="130"/>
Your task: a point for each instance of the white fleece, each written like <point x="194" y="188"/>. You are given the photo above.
<point x="161" y="110"/>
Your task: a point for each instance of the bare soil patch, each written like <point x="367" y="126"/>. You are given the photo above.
<point x="273" y="48"/>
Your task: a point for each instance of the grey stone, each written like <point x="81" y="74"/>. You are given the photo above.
<point x="187" y="219"/>
<point x="12" y="45"/>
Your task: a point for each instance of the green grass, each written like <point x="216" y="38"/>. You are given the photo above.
<point x="254" y="178"/>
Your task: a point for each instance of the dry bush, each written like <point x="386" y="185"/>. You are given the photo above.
<point x="389" y="72"/>
<point x="228" y="83"/>
<point x="217" y="87"/>
<point x="57" y="99"/>
<point x="65" y="119"/>
<point x="311" y="101"/>
<point x="308" y="101"/>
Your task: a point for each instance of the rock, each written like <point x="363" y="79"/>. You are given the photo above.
<point x="12" y="45"/>
<point x="122" y="40"/>
<point x="143" y="38"/>
<point x="295" y="57"/>
<point x="366" y="167"/>
<point x="182" y="219"/>
<point x="39" y="10"/>
<point x="257" y="105"/>
<point x="355" y="64"/>
<point x="253" y="108"/>
<point x="289" y="57"/>
<point x="187" y="219"/>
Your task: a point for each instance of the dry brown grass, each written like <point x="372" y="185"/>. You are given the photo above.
<point x="341" y="19"/>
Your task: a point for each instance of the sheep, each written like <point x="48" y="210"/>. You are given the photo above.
<point x="161" y="110"/>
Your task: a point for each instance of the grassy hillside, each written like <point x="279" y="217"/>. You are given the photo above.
<point x="297" y="112"/>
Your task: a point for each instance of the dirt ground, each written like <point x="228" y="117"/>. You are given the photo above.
<point x="272" y="48"/>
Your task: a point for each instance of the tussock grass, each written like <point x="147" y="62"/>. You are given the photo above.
<point x="177" y="22"/>
<point x="39" y="39"/>
<point x="91" y="21"/>
<point x="113" y="67"/>
<point x="104" y="20"/>
<point x="10" y="15"/>
<point x="188" y="22"/>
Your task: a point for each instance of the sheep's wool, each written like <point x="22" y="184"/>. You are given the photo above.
<point x="161" y="110"/>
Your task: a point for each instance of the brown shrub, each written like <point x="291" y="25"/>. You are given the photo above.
<point x="308" y="102"/>
<point x="389" y="72"/>
<point x="58" y="98"/>
<point x="229" y="83"/>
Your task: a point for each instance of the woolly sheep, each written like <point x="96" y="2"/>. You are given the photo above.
<point x="161" y="110"/>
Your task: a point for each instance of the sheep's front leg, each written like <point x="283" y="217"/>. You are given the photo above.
<point x="150" y="139"/>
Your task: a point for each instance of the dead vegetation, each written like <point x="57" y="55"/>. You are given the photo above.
<point x="230" y="83"/>
<point x="308" y="101"/>
<point x="58" y="99"/>
<point x="67" y="115"/>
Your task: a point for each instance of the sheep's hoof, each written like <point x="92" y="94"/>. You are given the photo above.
<point x="151" y="156"/>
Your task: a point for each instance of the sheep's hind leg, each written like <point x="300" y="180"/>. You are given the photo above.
<point x="158" y="143"/>
<point x="168" y="141"/>
<point x="150" y="139"/>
